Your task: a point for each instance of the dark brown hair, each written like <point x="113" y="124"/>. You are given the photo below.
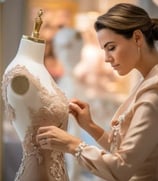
<point x="124" y="18"/>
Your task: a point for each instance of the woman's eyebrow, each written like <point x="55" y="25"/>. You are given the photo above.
<point x="106" y="44"/>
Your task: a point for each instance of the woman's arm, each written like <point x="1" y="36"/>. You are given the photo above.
<point x="81" y="111"/>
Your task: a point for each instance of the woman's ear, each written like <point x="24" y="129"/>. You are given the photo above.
<point x="138" y="37"/>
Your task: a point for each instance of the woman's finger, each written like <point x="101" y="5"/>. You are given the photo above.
<point x="43" y="129"/>
<point x="42" y="136"/>
<point x="45" y="143"/>
<point x="80" y="103"/>
<point x="74" y="107"/>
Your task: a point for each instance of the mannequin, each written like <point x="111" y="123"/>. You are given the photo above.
<point x="32" y="99"/>
<point x="67" y="44"/>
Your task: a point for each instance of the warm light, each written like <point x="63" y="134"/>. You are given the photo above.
<point x="87" y="20"/>
<point x="156" y="2"/>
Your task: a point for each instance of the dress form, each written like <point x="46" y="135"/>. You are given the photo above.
<point x="32" y="99"/>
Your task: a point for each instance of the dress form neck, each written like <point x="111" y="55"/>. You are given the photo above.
<point x="31" y="49"/>
<point x="32" y="46"/>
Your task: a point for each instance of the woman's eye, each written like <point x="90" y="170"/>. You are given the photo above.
<point x="111" y="48"/>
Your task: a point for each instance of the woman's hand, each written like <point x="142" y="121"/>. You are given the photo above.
<point x="81" y="111"/>
<point x="54" y="138"/>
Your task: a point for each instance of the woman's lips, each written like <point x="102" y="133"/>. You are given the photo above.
<point x="115" y="66"/>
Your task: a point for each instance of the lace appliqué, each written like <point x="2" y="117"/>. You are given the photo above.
<point x="52" y="111"/>
<point x="45" y="95"/>
<point x="79" y="149"/>
<point x="116" y="136"/>
<point x="44" y="116"/>
<point x="9" y="111"/>
<point x="30" y="148"/>
<point x="57" y="169"/>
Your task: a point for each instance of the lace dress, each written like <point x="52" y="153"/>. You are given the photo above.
<point x="37" y="164"/>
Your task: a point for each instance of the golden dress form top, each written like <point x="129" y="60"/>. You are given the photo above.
<point x="32" y="99"/>
<point x="36" y="29"/>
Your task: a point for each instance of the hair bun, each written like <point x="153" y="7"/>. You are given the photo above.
<point x="155" y="29"/>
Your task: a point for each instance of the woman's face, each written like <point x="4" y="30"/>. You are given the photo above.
<point x="121" y="53"/>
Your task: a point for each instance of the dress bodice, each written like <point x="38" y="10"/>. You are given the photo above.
<point x="39" y="106"/>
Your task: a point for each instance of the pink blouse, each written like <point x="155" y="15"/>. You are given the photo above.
<point x="132" y="152"/>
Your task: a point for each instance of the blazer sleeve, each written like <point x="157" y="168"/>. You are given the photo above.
<point x="137" y="145"/>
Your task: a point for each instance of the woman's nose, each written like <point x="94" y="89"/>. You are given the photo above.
<point x="108" y="59"/>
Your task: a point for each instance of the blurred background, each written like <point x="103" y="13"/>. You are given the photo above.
<point x="74" y="60"/>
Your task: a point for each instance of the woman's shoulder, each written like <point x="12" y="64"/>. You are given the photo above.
<point x="150" y="81"/>
<point x="148" y="91"/>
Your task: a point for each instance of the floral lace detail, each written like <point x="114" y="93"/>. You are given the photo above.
<point x="53" y="111"/>
<point x="115" y="137"/>
<point x="30" y="146"/>
<point x="56" y="169"/>
<point x="79" y="149"/>
<point x="22" y="70"/>
<point x="9" y="111"/>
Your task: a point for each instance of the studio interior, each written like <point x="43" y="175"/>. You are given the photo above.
<point x="75" y="63"/>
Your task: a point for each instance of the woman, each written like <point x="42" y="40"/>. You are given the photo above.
<point x="130" y="151"/>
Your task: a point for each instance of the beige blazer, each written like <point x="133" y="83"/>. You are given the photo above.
<point x="131" y="153"/>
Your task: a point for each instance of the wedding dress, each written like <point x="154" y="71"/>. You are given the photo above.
<point x="32" y="99"/>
